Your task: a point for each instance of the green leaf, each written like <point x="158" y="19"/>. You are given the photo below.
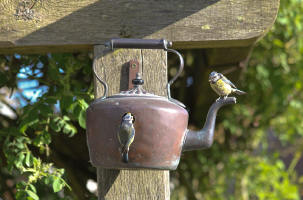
<point x="20" y="185"/>
<point x="43" y="138"/>
<point x="57" y="184"/>
<point x="28" y="160"/>
<point x="21" y="195"/>
<point x="66" y="102"/>
<point x="60" y="171"/>
<point x="45" y="109"/>
<point x="32" y="187"/>
<point x="27" y="123"/>
<point x="83" y="104"/>
<point x="278" y="42"/>
<point x="19" y="160"/>
<point x="32" y="194"/>
<point x="20" y="145"/>
<point x="82" y="119"/>
<point x="76" y="109"/>
<point x="55" y="125"/>
<point x="46" y="137"/>
<point x="48" y="179"/>
<point x="66" y="118"/>
<point x="60" y="122"/>
<point x="69" y="129"/>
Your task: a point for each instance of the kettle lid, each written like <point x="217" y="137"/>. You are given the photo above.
<point x="138" y="91"/>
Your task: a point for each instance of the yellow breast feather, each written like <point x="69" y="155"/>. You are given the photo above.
<point x="221" y="88"/>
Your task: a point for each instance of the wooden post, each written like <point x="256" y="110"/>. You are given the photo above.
<point x="111" y="66"/>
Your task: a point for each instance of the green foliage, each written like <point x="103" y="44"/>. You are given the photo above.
<point x="58" y="111"/>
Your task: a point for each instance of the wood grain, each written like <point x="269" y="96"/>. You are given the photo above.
<point x="77" y="25"/>
<point x="112" y="67"/>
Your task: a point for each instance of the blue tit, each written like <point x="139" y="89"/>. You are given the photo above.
<point x="222" y="86"/>
<point x="126" y="135"/>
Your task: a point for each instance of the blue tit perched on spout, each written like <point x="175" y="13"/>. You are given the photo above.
<point x="126" y="135"/>
<point x="222" y="86"/>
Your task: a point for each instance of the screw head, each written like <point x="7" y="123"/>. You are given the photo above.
<point x="134" y="65"/>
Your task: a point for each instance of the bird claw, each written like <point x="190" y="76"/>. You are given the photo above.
<point x="224" y="98"/>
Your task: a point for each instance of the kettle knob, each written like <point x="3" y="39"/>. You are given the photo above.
<point x="138" y="80"/>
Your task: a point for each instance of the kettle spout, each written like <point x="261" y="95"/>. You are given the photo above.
<point x="203" y="138"/>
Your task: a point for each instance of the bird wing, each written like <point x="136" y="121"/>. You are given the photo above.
<point x="227" y="81"/>
<point x="123" y="134"/>
<point x="119" y="135"/>
<point x="131" y="136"/>
<point x="126" y="136"/>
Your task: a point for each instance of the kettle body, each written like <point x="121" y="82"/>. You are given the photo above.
<point x="160" y="132"/>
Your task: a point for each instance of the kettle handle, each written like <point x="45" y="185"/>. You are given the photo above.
<point x="181" y="66"/>
<point x="142" y="44"/>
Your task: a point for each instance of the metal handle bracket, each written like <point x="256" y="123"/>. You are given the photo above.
<point x="143" y="44"/>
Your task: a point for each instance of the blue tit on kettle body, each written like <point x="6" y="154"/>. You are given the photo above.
<point x="222" y="86"/>
<point x="126" y="135"/>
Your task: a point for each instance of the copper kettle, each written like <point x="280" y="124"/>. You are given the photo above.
<point x="160" y="123"/>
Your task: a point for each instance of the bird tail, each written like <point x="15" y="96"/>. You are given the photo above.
<point x="125" y="156"/>
<point x="239" y="92"/>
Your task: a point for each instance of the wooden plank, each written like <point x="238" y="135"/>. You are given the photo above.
<point x="31" y="26"/>
<point x="112" y="67"/>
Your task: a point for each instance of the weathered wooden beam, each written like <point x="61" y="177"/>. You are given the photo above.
<point x="111" y="66"/>
<point x="37" y="26"/>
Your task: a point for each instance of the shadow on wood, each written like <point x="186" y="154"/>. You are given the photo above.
<point x="124" y="76"/>
<point x="106" y="176"/>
